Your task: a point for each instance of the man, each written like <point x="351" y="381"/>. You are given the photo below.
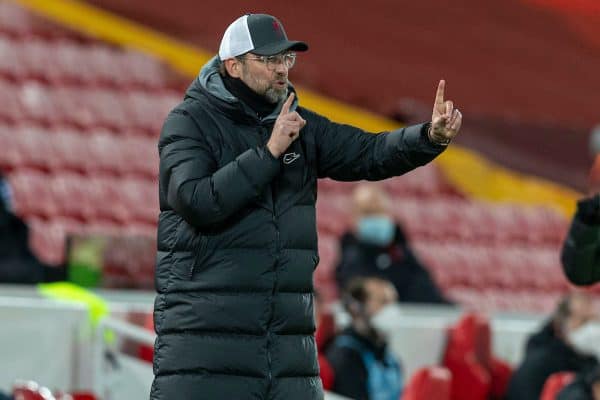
<point x="237" y="239"/>
<point x="378" y="247"/>
<point x="364" y="367"/>
<point x="559" y="346"/>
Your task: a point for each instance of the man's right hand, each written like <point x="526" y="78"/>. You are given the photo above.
<point x="286" y="129"/>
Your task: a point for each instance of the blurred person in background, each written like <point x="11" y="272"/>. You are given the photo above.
<point x="378" y="247"/>
<point x="237" y="238"/>
<point x="586" y="386"/>
<point x="364" y="367"/>
<point x="18" y="264"/>
<point x="563" y="344"/>
<point x="581" y="250"/>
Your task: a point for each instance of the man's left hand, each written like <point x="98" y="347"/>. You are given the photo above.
<point x="445" y="120"/>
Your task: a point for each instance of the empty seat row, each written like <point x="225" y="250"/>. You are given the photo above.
<point x="66" y="61"/>
<point x="32" y="146"/>
<point x="448" y="218"/>
<point x="505" y="299"/>
<point x="426" y="181"/>
<point x="457" y="219"/>
<point x="535" y="267"/>
<point x="85" y="107"/>
<point x="85" y="198"/>
<point x="16" y="21"/>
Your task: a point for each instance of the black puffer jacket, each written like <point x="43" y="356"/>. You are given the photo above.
<point x="237" y="243"/>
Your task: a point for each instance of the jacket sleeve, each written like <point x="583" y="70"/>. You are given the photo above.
<point x="580" y="253"/>
<point x="203" y="194"/>
<point x="346" y="153"/>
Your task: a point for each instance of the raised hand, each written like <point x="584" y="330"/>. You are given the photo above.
<point x="286" y="129"/>
<point x="445" y="119"/>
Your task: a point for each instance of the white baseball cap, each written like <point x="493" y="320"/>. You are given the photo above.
<point x="261" y="34"/>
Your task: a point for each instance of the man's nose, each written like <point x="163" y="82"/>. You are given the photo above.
<point x="280" y="67"/>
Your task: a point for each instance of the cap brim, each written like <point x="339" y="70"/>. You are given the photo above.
<point x="278" y="47"/>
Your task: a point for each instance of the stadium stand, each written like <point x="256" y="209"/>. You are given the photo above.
<point x="80" y="133"/>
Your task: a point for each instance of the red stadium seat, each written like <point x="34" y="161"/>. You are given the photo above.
<point x="72" y="151"/>
<point x="12" y="110"/>
<point x="32" y="194"/>
<point x="429" y="383"/>
<point x="108" y="107"/>
<point x="555" y="383"/>
<point x="141" y="199"/>
<point x="140" y="70"/>
<point x="140" y="154"/>
<point x="468" y="356"/>
<point x="72" y="196"/>
<point x="501" y="373"/>
<point x="10" y="63"/>
<point x="11" y="156"/>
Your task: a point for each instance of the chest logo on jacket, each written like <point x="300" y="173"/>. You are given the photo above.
<point x="290" y="158"/>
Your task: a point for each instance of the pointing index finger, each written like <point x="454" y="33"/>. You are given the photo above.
<point x="439" y="96"/>
<point x="286" y="106"/>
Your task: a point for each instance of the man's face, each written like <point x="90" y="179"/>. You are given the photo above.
<point x="379" y="294"/>
<point x="369" y="199"/>
<point x="272" y="84"/>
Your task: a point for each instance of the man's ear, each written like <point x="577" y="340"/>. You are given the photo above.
<point x="233" y="66"/>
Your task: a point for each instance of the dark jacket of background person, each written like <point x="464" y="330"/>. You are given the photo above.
<point x="581" y="249"/>
<point x="17" y="262"/>
<point x="545" y="354"/>
<point x="237" y="242"/>
<point x="582" y="388"/>
<point x="395" y="263"/>
<point x="351" y="373"/>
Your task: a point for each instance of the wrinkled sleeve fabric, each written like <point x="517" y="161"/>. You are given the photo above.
<point x="580" y="253"/>
<point x="196" y="188"/>
<point x="346" y="153"/>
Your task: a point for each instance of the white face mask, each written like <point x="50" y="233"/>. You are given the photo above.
<point x="586" y="339"/>
<point x="384" y="322"/>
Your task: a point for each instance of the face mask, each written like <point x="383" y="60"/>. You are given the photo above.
<point x="586" y="339"/>
<point x="384" y="322"/>
<point x="378" y="230"/>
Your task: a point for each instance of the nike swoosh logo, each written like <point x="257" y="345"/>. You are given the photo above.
<point x="290" y="158"/>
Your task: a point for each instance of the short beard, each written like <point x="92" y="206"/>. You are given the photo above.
<point x="276" y="95"/>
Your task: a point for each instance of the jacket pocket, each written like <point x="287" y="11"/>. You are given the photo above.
<point x="198" y="255"/>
